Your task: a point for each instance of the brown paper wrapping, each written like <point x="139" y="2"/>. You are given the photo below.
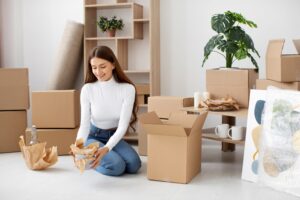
<point x="86" y="153"/>
<point x="37" y="157"/>
<point x="223" y="104"/>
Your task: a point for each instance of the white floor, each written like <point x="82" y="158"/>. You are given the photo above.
<point x="219" y="179"/>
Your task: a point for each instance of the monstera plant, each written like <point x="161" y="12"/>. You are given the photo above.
<point x="231" y="40"/>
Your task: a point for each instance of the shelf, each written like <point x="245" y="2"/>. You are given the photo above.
<point x="243" y="112"/>
<point x="131" y="137"/>
<point x="136" y="71"/>
<point x="143" y="105"/>
<point x="213" y="136"/>
<point x="141" y="20"/>
<point x="110" y="6"/>
<point x="107" y="38"/>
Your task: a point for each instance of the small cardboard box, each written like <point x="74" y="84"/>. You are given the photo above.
<point x="232" y="82"/>
<point x="262" y="84"/>
<point x="163" y="106"/>
<point x="14" y="89"/>
<point x="174" y="147"/>
<point x="62" y="138"/>
<point x="12" y="126"/>
<point x="279" y="67"/>
<point x="142" y="89"/>
<point x="140" y="99"/>
<point x="55" y="109"/>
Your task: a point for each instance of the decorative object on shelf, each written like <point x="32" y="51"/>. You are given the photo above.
<point x="110" y="25"/>
<point x="231" y="39"/>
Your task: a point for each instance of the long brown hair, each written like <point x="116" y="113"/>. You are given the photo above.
<point x="106" y="53"/>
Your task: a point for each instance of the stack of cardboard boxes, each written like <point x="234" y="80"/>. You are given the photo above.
<point x="14" y="101"/>
<point x="56" y="116"/>
<point x="282" y="71"/>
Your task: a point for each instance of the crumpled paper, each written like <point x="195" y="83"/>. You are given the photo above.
<point x="82" y="155"/>
<point x="223" y="104"/>
<point x="36" y="156"/>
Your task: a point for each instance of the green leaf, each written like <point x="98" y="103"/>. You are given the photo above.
<point x="221" y="23"/>
<point x="209" y="47"/>
<point x="236" y="17"/>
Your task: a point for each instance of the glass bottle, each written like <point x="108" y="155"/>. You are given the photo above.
<point x="33" y="137"/>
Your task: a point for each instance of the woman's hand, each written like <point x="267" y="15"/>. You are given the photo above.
<point x="99" y="155"/>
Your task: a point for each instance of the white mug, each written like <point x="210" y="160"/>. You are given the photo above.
<point x="221" y="130"/>
<point x="236" y="133"/>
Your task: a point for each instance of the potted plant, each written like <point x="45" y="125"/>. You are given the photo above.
<point x="110" y="25"/>
<point x="231" y="39"/>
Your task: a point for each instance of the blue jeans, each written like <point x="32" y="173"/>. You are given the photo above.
<point x="121" y="159"/>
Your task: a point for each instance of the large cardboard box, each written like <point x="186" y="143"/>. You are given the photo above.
<point x="236" y="83"/>
<point x="62" y="138"/>
<point x="55" y="109"/>
<point x="14" y="89"/>
<point x="163" y="106"/>
<point x="279" y="67"/>
<point x="174" y="147"/>
<point x="12" y="126"/>
<point x="262" y="84"/>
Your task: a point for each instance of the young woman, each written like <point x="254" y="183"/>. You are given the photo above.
<point x="108" y="107"/>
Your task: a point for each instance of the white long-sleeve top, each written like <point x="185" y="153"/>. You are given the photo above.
<point x="106" y="104"/>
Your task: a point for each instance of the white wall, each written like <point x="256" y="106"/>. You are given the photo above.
<point x="31" y="30"/>
<point x="185" y="29"/>
<point x="11" y="33"/>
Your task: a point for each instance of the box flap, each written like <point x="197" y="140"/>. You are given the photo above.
<point x="165" y="130"/>
<point x="149" y="118"/>
<point x="199" y="122"/>
<point x="164" y="105"/>
<point x="274" y="50"/>
<point x="297" y="45"/>
<point x="183" y="119"/>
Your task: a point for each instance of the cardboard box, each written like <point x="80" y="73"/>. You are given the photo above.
<point x="55" y="109"/>
<point x="231" y="82"/>
<point x="174" y="147"/>
<point x="12" y="126"/>
<point x="279" y="67"/>
<point x="62" y="138"/>
<point x="142" y="89"/>
<point x="163" y="106"/>
<point x="14" y="89"/>
<point x="140" y="99"/>
<point x="262" y="84"/>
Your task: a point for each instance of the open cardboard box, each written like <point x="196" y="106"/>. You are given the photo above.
<point x="163" y="106"/>
<point x="174" y="146"/>
<point x="281" y="67"/>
